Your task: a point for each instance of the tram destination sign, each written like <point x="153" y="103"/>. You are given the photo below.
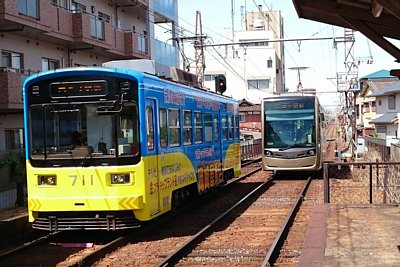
<point x="78" y="89"/>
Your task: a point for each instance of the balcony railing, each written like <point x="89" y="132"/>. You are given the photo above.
<point x="137" y="45"/>
<point x="11" y="81"/>
<point x="76" y="27"/>
<point x="165" y="54"/>
<point x="165" y="8"/>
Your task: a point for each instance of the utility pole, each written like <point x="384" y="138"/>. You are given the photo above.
<point x="347" y="82"/>
<point x="199" y="50"/>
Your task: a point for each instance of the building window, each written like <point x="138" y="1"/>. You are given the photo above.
<point x="61" y="3"/>
<point x="269" y="63"/>
<point x="104" y="17"/>
<point x="96" y="27"/>
<point x="211" y="77"/>
<point x="380" y="102"/>
<point x="50" y="64"/>
<point x="392" y="102"/>
<point x="249" y="43"/>
<point x="262" y="84"/>
<point x="11" y="60"/>
<point x="29" y="8"/>
<point x="242" y="117"/>
<point x="366" y="107"/>
<point x="77" y="7"/>
<point x="381" y="129"/>
<point x="142" y="43"/>
<point x="14" y="139"/>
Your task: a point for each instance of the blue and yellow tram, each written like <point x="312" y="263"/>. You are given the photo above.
<point x="109" y="149"/>
<point x="293" y="131"/>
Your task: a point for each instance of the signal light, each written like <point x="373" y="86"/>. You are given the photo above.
<point x="220" y="84"/>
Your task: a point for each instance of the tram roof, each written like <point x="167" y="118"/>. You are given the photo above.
<point x="376" y="19"/>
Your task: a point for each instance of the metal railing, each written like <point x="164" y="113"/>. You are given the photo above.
<point x="251" y="151"/>
<point x="362" y="182"/>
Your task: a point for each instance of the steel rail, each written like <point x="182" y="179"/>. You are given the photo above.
<point x="99" y="253"/>
<point x="188" y="246"/>
<point x="28" y="245"/>
<point x="273" y="252"/>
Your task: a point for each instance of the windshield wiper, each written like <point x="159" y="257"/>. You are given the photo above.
<point x="290" y="146"/>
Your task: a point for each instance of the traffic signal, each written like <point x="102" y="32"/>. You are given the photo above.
<point x="220" y="84"/>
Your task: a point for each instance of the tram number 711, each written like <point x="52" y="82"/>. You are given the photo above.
<point x="75" y="179"/>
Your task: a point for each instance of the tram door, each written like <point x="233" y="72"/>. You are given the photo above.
<point x="152" y="159"/>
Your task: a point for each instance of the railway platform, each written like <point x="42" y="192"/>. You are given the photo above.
<point x="352" y="235"/>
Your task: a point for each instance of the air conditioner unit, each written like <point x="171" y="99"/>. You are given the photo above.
<point x="184" y="77"/>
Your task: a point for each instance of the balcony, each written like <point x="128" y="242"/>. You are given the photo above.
<point x="137" y="45"/>
<point x="11" y="81"/>
<point x="144" y="3"/>
<point x="165" y="54"/>
<point x="165" y="10"/>
<point x="89" y="30"/>
<point x="18" y="17"/>
<point x="78" y="30"/>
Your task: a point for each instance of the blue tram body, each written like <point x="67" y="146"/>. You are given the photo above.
<point x="110" y="148"/>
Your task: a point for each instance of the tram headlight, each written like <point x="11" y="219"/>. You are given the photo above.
<point x="47" y="180"/>
<point x="311" y="152"/>
<point x="120" y="178"/>
<point x="268" y="153"/>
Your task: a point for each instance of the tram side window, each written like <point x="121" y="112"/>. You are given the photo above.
<point x="150" y="128"/>
<point x="174" y="127"/>
<point x="163" y="128"/>
<point x="128" y="130"/>
<point x="216" y="128"/>
<point x="224" y="123"/>
<point x="208" y="130"/>
<point x="237" y="127"/>
<point x="187" y="127"/>
<point x="231" y="127"/>
<point x="198" y="123"/>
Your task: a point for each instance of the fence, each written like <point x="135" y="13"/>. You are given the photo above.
<point x="250" y="150"/>
<point x="362" y="183"/>
<point x="8" y="198"/>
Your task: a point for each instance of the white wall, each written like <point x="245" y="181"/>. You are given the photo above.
<point x="246" y="63"/>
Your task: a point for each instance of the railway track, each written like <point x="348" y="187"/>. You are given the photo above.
<point x="237" y="225"/>
<point x="250" y="233"/>
<point x="218" y="229"/>
<point x="82" y="249"/>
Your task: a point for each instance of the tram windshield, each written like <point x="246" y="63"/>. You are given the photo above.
<point x="73" y="131"/>
<point x="289" y="124"/>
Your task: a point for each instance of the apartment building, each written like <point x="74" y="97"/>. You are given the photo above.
<point x="254" y="69"/>
<point x="41" y="35"/>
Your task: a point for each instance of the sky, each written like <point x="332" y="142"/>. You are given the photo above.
<point x="320" y="59"/>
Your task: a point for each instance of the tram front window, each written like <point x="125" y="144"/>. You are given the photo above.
<point x="71" y="131"/>
<point x="286" y="129"/>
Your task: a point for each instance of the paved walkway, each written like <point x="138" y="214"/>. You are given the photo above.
<point x="352" y="235"/>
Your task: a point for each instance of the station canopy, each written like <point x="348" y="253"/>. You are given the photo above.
<point x="379" y="20"/>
